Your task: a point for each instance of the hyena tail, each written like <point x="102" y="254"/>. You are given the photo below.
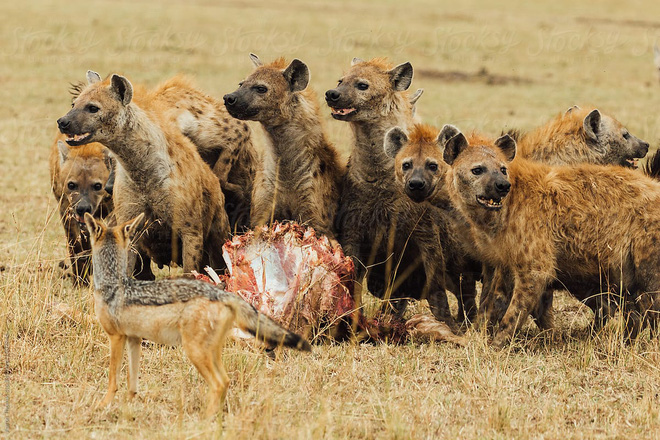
<point x="261" y="326"/>
<point x="652" y="167"/>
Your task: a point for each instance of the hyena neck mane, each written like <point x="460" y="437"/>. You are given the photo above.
<point x="296" y="135"/>
<point x="368" y="158"/>
<point x="140" y="146"/>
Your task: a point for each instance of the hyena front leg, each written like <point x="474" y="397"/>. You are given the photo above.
<point x="528" y="290"/>
<point x="193" y="249"/>
<point x="264" y="207"/>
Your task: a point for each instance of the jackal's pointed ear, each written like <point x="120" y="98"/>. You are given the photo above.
<point x="591" y="125"/>
<point x="63" y="149"/>
<point x="356" y="60"/>
<point x="94" y="227"/>
<point x="572" y="109"/>
<point x="123" y="88"/>
<point x="297" y="75"/>
<point x="255" y="60"/>
<point x="447" y="132"/>
<point x="395" y="139"/>
<point x="401" y="76"/>
<point x="93" y="77"/>
<point x="453" y="147"/>
<point x="508" y="146"/>
<point x="132" y="227"/>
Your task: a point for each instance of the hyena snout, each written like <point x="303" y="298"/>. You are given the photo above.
<point x="63" y="124"/>
<point x="82" y="207"/>
<point x="332" y="96"/>
<point x="642" y="149"/>
<point x="230" y="99"/>
<point x="502" y="187"/>
<point x="417" y="189"/>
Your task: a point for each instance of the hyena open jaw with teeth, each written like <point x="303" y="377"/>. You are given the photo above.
<point x="159" y="172"/>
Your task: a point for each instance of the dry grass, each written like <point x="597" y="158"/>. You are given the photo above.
<point x="538" y="58"/>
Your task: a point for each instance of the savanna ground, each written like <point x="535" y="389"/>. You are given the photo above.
<point x="483" y="67"/>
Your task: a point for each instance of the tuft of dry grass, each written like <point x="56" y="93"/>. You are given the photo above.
<point x="569" y="384"/>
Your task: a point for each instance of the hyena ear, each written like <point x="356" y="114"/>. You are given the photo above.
<point x="110" y="183"/>
<point x="395" y="139"/>
<point x="447" y="132"/>
<point x="454" y="147"/>
<point x="592" y="125"/>
<point x="571" y="109"/>
<point x="255" y="60"/>
<point x="415" y="97"/>
<point x="297" y="75"/>
<point x="508" y="146"/>
<point x="132" y="227"/>
<point x="95" y="228"/>
<point x="356" y="60"/>
<point x="123" y="88"/>
<point x="93" y="77"/>
<point x="63" y="148"/>
<point x="401" y="76"/>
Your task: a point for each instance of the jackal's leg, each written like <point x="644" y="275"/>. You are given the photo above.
<point x="134" y="347"/>
<point x="117" y="343"/>
<point x="197" y="349"/>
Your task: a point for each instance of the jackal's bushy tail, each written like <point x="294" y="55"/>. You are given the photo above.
<point x="652" y="167"/>
<point x="261" y="326"/>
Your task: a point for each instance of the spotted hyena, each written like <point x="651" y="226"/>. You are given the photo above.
<point x="393" y="240"/>
<point x="543" y="224"/>
<point x="420" y="172"/>
<point x="223" y="142"/>
<point x="582" y="135"/>
<point x="159" y="172"/>
<point x="81" y="182"/>
<point x="300" y="178"/>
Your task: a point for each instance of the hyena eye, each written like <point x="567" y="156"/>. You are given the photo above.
<point x="477" y="171"/>
<point x="240" y="84"/>
<point x="92" y="108"/>
<point x="339" y="82"/>
<point x="261" y="89"/>
<point x="503" y="170"/>
<point x="626" y="135"/>
<point x="98" y="187"/>
<point x="406" y="166"/>
<point x="362" y="86"/>
<point x="71" y="185"/>
<point x="433" y="167"/>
